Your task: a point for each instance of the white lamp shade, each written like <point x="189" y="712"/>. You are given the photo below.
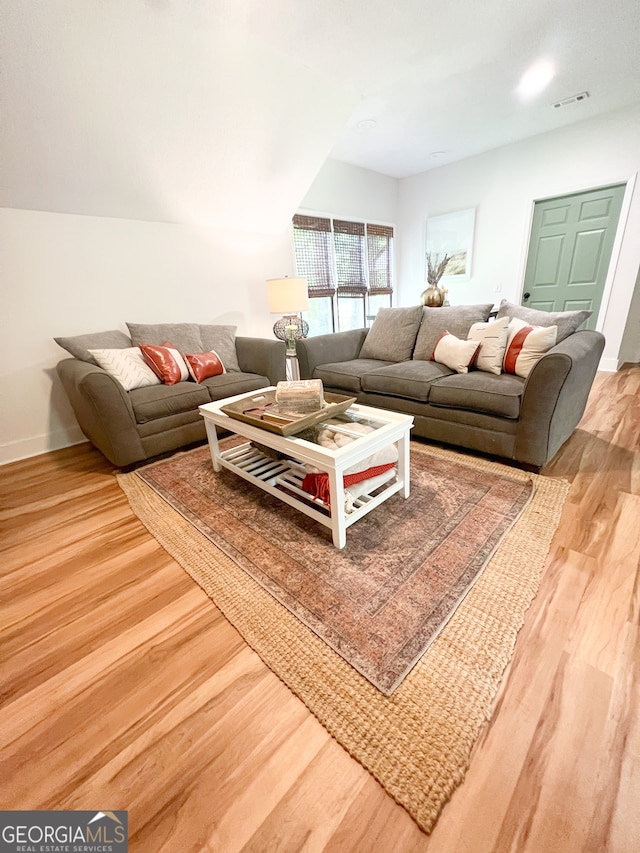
<point x="287" y="295"/>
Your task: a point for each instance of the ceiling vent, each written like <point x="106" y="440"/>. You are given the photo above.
<point x="574" y="99"/>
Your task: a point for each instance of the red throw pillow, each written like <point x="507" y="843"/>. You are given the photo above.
<point x="166" y="362"/>
<point x="203" y="365"/>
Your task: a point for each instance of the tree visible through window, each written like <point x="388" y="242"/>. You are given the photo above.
<point x="349" y="269"/>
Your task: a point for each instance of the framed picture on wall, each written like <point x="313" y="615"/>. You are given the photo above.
<point x="452" y="234"/>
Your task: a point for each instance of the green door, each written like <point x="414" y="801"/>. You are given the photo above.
<point x="570" y="249"/>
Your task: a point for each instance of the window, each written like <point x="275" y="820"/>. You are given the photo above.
<point x="349" y="269"/>
<point x="380" y="266"/>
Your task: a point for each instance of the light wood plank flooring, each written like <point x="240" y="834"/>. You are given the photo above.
<point x="122" y="686"/>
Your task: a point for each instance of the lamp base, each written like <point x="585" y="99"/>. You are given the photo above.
<point x="291" y="327"/>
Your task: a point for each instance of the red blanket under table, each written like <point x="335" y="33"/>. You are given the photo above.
<point x="318" y="484"/>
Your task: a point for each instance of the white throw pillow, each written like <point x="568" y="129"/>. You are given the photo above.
<point x="492" y="337"/>
<point x="127" y="366"/>
<point x="454" y="353"/>
<point x="526" y="345"/>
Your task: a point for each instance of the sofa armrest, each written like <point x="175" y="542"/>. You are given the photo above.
<point x="555" y="396"/>
<point x="103" y="410"/>
<point x="329" y="349"/>
<point x="262" y="356"/>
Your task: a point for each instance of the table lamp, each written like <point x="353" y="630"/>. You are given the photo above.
<point x="288" y="296"/>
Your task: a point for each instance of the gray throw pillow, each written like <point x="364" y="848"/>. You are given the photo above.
<point x="455" y="319"/>
<point x="79" y="345"/>
<point x="222" y="339"/>
<point x="393" y="334"/>
<point x="566" y="321"/>
<point x="184" y="336"/>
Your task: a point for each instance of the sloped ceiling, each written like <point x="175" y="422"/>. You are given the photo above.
<point x="221" y="112"/>
<point x="160" y="110"/>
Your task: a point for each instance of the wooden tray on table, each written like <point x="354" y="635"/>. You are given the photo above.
<point x="261" y="410"/>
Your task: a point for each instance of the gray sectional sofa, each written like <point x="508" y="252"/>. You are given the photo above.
<point x="130" y="426"/>
<point x="526" y="420"/>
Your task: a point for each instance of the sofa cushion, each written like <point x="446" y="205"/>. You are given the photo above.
<point x="567" y="321"/>
<point x="183" y="336"/>
<point x="159" y="401"/>
<point x="409" y="379"/>
<point x="79" y="345"/>
<point x="222" y="340"/>
<point x="393" y="334"/>
<point x="479" y="392"/>
<point x="228" y="384"/>
<point x="190" y="337"/>
<point x="455" y="319"/>
<point x="346" y="375"/>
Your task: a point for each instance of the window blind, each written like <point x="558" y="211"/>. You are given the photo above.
<point x="348" y="241"/>
<point x="313" y="253"/>
<point x="350" y="263"/>
<point x="380" y="258"/>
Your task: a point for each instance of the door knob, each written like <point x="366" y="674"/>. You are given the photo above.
<point x="526" y="295"/>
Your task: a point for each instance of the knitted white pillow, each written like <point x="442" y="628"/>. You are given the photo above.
<point x="492" y="337"/>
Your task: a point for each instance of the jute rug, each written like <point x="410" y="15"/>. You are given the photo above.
<point x="418" y="740"/>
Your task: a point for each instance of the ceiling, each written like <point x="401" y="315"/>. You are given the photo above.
<point x="222" y="112"/>
<point x="442" y="78"/>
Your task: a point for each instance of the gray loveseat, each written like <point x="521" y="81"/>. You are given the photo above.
<point x="129" y="426"/>
<point x="526" y="420"/>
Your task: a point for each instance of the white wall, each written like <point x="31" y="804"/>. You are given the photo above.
<point x="502" y="186"/>
<point x="65" y="275"/>
<point x="630" y="349"/>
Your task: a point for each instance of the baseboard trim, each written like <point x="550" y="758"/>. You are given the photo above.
<point x="608" y="365"/>
<point x="14" y="451"/>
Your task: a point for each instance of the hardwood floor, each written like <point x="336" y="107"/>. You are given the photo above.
<point x="123" y="687"/>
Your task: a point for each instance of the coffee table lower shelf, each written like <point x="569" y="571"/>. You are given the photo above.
<point x="283" y="479"/>
<point x="277" y="463"/>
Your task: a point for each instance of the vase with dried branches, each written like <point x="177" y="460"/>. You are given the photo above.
<point x="433" y="296"/>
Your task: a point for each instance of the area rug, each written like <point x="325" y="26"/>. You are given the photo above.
<point x="418" y="740"/>
<point x="380" y="601"/>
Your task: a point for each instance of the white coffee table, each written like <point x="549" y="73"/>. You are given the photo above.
<point x="283" y="477"/>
